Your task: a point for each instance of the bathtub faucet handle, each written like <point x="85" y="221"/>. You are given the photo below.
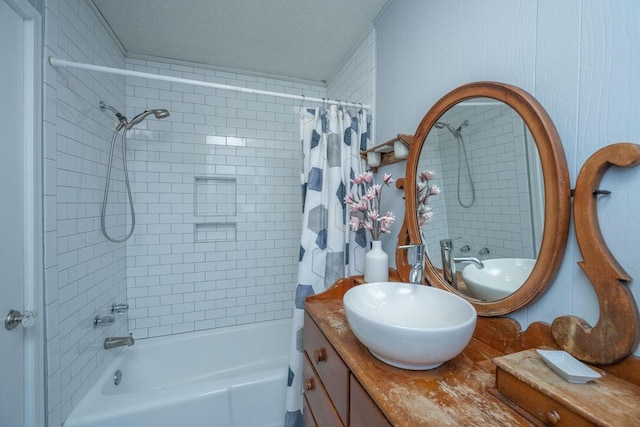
<point x="102" y="320"/>
<point x="119" y="308"/>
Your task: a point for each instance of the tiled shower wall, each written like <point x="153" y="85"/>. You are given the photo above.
<point x="84" y="274"/>
<point x="355" y="81"/>
<point x="500" y="219"/>
<point x="216" y="189"/>
<point x="218" y="204"/>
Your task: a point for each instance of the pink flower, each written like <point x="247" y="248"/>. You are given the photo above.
<point x="425" y="191"/>
<point x="366" y="199"/>
<point x="424" y="215"/>
<point x="368" y="225"/>
<point x="389" y="218"/>
<point x="427" y="175"/>
<point x="374" y="191"/>
<point x="361" y="206"/>
<point x="370" y="196"/>
<point x="354" y="223"/>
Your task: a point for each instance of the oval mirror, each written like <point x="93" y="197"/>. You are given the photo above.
<point x="500" y="223"/>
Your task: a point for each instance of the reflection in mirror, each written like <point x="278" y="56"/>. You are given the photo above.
<point x="492" y="200"/>
<point x="505" y="195"/>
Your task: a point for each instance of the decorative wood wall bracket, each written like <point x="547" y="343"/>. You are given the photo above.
<point x="616" y="334"/>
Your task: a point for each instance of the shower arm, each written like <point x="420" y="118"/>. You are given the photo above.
<point x="121" y="119"/>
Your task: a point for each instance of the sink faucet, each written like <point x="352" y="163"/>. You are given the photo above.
<point x="113" y="342"/>
<point x="449" y="262"/>
<point x="416" y="275"/>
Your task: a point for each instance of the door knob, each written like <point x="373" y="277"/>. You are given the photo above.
<point x="15" y="318"/>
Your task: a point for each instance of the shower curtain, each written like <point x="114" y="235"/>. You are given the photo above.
<point x="331" y="142"/>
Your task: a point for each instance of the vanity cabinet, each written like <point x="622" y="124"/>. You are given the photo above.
<point x="363" y="411"/>
<point x="498" y="379"/>
<point x="332" y="395"/>
<point x="344" y="385"/>
<point x="325" y="377"/>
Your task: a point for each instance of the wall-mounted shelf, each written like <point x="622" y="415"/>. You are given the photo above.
<point x="386" y="150"/>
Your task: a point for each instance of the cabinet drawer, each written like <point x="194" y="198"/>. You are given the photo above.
<point x="330" y="368"/>
<point x="535" y="403"/>
<point x="363" y="410"/>
<point x="307" y="414"/>
<point x="315" y="395"/>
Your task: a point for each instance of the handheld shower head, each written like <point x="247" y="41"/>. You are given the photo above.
<point x="464" y="124"/>
<point x="444" y="125"/>
<point x="158" y="113"/>
<point x="455" y="132"/>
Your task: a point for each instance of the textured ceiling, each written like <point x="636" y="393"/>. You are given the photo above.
<point x="303" y="39"/>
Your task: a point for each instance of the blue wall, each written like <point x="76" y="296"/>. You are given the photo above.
<point x="578" y="58"/>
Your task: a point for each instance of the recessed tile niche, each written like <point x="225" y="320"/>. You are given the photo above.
<point x="215" y="209"/>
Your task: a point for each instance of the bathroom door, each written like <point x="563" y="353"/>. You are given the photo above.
<point x="20" y="347"/>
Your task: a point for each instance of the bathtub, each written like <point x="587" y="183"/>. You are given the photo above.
<point x="227" y="377"/>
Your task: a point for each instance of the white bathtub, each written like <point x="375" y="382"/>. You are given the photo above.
<point x="227" y="377"/>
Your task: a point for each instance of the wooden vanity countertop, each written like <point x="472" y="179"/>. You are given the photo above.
<point x="460" y="392"/>
<point x="607" y="401"/>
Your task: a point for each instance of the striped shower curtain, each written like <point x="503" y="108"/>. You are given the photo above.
<point x="331" y="142"/>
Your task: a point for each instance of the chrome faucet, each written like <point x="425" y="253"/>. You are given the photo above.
<point x="102" y="320"/>
<point x="119" y="308"/>
<point x="449" y="262"/>
<point x="416" y="275"/>
<point x="113" y="342"/>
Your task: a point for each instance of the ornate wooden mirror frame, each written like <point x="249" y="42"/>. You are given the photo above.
<point x="557" y="193"/>
<point x="617" y="333"/>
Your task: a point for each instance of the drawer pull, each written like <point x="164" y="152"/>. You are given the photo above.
<point x="320" y="355"/>
<point x="308" y="384"/>
<point x="553" y="417"/>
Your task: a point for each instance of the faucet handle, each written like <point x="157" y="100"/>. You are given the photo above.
<point x="119" y="308"/>
<point x="102" y="320"/>
<point x="419" y="247"/>
<point x="448" y="243"/>
<point x="419" y="254"/>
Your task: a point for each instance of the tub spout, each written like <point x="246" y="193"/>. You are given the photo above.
<point x="113" y="342"/>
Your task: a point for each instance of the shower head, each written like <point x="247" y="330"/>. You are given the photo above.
<point x="455" y="132"/>
<point x="464" y="124"/>
<point x="158" y="113"/>
<point x="444" y="125"/>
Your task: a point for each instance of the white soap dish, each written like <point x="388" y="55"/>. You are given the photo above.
<point x="568" y="367"/>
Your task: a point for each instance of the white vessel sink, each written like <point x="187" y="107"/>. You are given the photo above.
<point x="499" y="278"/>
<point x="409" y="326"/>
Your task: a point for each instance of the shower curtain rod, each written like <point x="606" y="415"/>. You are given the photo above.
<point x="56" y="62"/>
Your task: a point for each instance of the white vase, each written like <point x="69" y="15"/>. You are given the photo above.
<point x="376" y="264"/>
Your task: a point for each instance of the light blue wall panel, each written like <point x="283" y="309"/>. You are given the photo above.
<point x="579" y="58"/>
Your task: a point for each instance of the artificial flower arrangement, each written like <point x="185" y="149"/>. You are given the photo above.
<point x="366" y="200"/>
<point x="425" y="191"/>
